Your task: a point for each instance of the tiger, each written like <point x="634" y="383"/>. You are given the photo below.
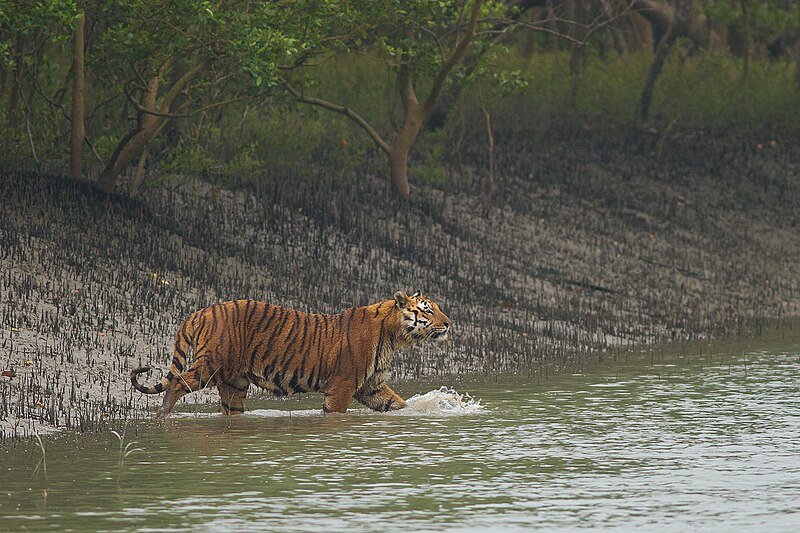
<point x="345" y="356"/>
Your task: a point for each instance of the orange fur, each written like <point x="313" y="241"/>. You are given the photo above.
<point x="345" y="356"/>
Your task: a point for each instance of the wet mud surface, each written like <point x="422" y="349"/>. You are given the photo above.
<point x="591" y="242"/>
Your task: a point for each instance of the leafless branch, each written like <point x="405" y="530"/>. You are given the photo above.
<point x="352" y="115"/>
<point x="501" y="25"/>
<point x="140" y="108"/>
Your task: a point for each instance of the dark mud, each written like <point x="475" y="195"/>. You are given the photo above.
<point x="593" y="241"/>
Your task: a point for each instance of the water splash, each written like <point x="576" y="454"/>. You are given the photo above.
<point x="442" y="401"/>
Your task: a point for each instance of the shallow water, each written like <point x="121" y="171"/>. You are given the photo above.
<point x="670" y="442"/>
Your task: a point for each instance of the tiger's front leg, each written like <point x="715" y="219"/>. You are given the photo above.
<point x="338" y="395"/>
<point x="382" y="398"/>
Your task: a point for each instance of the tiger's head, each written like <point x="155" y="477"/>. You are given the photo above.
<point x="421" y="318"/>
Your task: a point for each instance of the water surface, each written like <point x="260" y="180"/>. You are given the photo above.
<point x="672" y="442"/>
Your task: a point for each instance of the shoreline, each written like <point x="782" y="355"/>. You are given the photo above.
<point x="592" y="247"/>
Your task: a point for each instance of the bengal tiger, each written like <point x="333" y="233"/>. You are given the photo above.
<point x="344" y="356"/>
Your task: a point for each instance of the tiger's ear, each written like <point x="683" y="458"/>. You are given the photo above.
<point x="401" y="298"/>
<point x="416" y="294"/>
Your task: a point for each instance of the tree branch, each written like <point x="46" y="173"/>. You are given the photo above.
<point x="352" y="115"/>
<point x="598" y="23"/>
<point x="452" y="61"/>
<point x="179" y="85"/>
<point x="140" y="108"/>
<point x="405" y="84"/>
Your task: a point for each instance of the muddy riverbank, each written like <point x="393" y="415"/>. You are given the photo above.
<point x="592" y="241"/>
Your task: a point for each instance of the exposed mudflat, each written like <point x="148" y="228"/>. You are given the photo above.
<point x="592" y="241"/>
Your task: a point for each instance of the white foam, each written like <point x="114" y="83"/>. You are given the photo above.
<point x="259" y="413"/>
<point x="442" y="401"/>
<point x="276" y="413"/>
<point x="438" y="402"/>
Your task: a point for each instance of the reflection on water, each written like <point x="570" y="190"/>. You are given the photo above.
<point x="678" y="443"/>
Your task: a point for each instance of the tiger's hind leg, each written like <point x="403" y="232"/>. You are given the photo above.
<point x="232" y="394"/>
<point x="193" y="379"/>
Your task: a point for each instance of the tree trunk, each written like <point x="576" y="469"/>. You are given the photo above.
<point x="746" y="39"/>
<point x="415" y="112"/>
<point x="398" y="161"/>
<point x="662" y="52"/>
<point x="401" y="148"/>
<point x="138" y="176"/>
<point x="123" y="155"/>
<point x="78" y="100"/>
<point x="577" y="58"/>
<point x="16" y="82"/>
<point x="135" y="141"/>
<point x="150" y="123"/>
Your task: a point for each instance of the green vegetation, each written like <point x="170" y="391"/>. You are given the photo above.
<point x="270" y="89"/>
<point x="703" y="90"/>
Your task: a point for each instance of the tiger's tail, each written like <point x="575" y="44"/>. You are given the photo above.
<point x="183" y="342"/>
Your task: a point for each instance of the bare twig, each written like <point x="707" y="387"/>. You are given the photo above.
<point x="355" y="117"/>
<point x="140" y="108"/>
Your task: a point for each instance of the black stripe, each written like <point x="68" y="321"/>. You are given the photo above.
<point x="176" y="360"/>
<point x="294" y="386"/>
<point x="201" y="348"/>
<point x="306" y="322"/>
<point x="316" y="327"/>
<point x="181" y="353"/>
<point x="349" y="327"/>
<point x="268" y="316"/>
<point x="291" y="340"/>
<point x="264" y="315"/>
<point x="318" y="355"/>
<point x="243" y="324"/>
<point x="303" y="349"/>
<point x="275" y="332"/>
<point x="198" y="327"/>
<point x="267" y="372"/>
<point x="213" y="324"/>
<point x="252" y="311"/>
<point x="315" y="386"/>
<point x="186" y="338"/>
<point x="379" y="349"/>
<point x="341" y="341"/>
<point x="278" y="382"/>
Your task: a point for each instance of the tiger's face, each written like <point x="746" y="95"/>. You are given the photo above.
<point x="421" y="318"/>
